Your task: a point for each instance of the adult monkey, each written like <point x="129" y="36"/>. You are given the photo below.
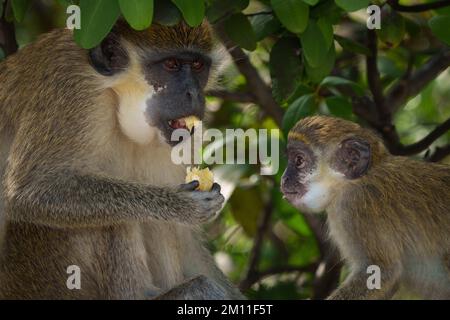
<point x="89" y="180"/>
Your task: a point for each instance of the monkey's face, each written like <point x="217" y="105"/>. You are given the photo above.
<point x="178" y="80"/>
<point x="301" y="183"/>
<point x="314" y="176"/>
<point x="156" y="88"/>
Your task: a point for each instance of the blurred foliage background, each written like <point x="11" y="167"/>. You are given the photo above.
<point x="289" y="59"/>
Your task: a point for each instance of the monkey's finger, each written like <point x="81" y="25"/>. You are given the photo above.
<point x="216" y="188"/>
<point x="191" y="186"/>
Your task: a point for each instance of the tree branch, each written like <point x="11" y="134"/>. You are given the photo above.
<point x="258" y="276"/>
<point x="439" y="154"/>
<point x="241" y="97"/>
<point x="255" y="83"/>
<point x="373" y="77"/>
<point x="381" y="113"/>
<point x="259" y="13"/>
<point x="425" y="142"/>
<point x="329" y="269"/>
<point x="365" y="108"/>
<point x="255" y="254"/>
<point x="378" y="112"/>
<point x="408" y="88"/>
<point x="7" y="33"/>
<point x="418" y="7"/>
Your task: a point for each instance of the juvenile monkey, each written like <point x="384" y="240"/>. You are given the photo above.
<point x="88" y="177"/>
<point x="384" y="210"/>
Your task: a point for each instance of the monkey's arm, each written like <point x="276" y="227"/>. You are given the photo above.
<point x="355" y="286"/>
<point x="69" y="199"/>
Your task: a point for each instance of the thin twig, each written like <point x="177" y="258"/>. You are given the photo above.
<point x="325" y="282"/>
<point x="439" y="154"/>
<point x="426" y="141"/>
<point x="408" y="88"/>
<point x="255" y="254"/>
<point x="8" y="40"/>
<point x="373" y="77"/>
<point x="259" y="13"/>
<point x="418" y="7"/>
<point x="258" y="276"/>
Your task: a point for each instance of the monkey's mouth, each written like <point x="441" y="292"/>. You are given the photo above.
<point x="178" y="124"/>
<point x="291" y="195"/>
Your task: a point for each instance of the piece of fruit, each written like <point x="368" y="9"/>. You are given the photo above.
<point x="191" y="122"/>
<point x="204" y="176"/>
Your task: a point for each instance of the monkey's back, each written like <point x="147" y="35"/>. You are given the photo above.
<point x="403" y="202"/>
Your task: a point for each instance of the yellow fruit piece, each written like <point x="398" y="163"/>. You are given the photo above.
<point x="204" y="176"/>
<point x="191" y="122"/>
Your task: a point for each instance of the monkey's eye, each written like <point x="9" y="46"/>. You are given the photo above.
<point x="172" y="64"/>
<point x="300" y="161"/>
<point x="197" y="65"/>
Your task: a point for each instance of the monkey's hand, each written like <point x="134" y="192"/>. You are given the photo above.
<point x="195" y="288"/>
<point x="201" y="206"/>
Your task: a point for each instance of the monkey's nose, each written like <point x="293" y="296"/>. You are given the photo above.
<point x="192" y="95"/>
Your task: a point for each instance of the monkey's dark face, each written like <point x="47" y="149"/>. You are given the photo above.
<point x="314" y="175"/>
<point x="179" y="80"/>
<point x="156" y="88"/>
<point x="296" y="180"/>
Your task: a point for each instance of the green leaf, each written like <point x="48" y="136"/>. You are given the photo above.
<point x="286" y="67"/>
<point x="1" y="8"/>
<point x="240" y="31"/>
<point x="19" y="8"/>
<point x="97" y="19"/>
<point x="138" y="13"/>
<point x="311" y="2"/>
<point x="340" y="107"/>
<point x="220" y="8"/>
<point x="332" y="81"/>
<point x="327" y="31"/>
<point x="316" y="74"/>
<point x="314" y="44"/>
<point x="327" y="10"/>
<point x="66" y="3"/>
<point x="193" y="11"/>
<point x="293" y="14"/>
<point x="299" y="91"/>
<point x="392" y="29"/>
<point x="264" y="25"/>
<point x="440" y="26"/>
<point x="352" y="46"/>
<point x="247" y="206"/>
<point x="352" y="5"/>
<point x="300" y="108"/>
<point x="166" y="13"/>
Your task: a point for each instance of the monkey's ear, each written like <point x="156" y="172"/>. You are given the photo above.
<point x="109" y="57"/>
<point x="352" y="158"/>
